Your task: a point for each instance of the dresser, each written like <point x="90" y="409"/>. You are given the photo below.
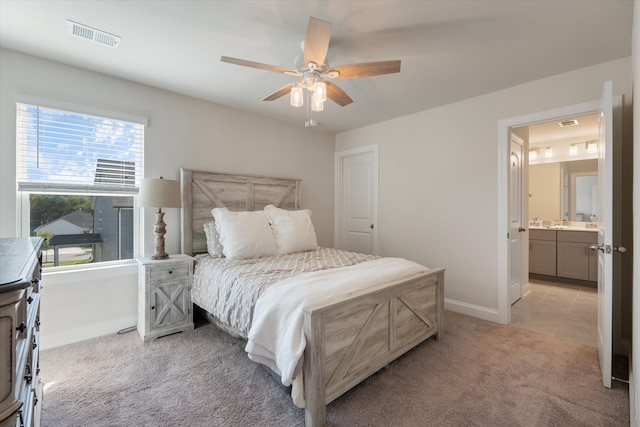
<point x="20" y="388"/>
<point x="164" y="296"/>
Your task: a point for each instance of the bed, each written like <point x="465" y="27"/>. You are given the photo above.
<point x="347" y="335"/>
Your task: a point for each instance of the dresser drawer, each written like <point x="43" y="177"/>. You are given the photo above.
<point x="27" y="416"/>
<point x="161" y="273"/>
<point x="20" y="389"/>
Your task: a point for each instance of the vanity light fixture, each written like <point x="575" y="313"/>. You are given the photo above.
<point x="533" y="154"/>
<point x="592" y="147"/>
<point x="573" y="150"/>
<point x="548" y="153"/>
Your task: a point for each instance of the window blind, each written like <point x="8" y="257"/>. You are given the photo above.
<point x="62" y="151"/>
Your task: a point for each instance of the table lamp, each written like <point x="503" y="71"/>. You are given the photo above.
<point x="159" y="193"/>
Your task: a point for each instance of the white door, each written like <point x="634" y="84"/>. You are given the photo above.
<point x="516" y="227"/>
<point x="605" y="228"/>
<point x="357" y="200"/>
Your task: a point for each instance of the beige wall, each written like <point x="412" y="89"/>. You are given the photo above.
<point x="545" y="191"/>
<point x="183" y="132"/>
<point x="438" y="189"/>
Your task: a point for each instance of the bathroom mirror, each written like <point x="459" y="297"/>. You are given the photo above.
<point x="584" y="202"/>
<point x="564" y="190"/>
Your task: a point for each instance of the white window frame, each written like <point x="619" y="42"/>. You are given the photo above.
<point x="23" y="205"/>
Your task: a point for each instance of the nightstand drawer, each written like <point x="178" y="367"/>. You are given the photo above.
<point x="161" y="273"/>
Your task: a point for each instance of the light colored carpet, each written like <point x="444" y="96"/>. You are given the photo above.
<point x="479" y="374"/>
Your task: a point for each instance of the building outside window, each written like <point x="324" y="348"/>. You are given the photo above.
<point x="78" y="174"/>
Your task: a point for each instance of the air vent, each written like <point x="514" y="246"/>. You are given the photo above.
<point x="93" y="34"/>
<point x="565" y="123"/>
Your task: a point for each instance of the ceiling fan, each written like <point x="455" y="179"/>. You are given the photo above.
<point x="314" y="69"/>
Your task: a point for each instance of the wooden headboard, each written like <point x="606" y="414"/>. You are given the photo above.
<point x="203" y="191"/>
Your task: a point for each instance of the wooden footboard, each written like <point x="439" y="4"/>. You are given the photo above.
<point x="351" y="338"/>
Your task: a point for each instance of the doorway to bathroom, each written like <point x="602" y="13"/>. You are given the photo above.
<point x="561" y="190"/>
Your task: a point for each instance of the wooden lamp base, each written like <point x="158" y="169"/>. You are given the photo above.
<point x="159" y="230"/>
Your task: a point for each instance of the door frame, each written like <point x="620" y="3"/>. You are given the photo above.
<point x="338" y="182"/>
<point x="504" y="150"/>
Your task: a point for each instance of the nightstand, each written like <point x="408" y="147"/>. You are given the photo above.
<point x="164" y="296"/>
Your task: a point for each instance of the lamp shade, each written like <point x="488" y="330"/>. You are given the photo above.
<point x="159" y="193"/>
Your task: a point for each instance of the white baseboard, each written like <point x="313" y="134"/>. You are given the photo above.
<point x="85" y="332"/>
<point x="483" y="313"/>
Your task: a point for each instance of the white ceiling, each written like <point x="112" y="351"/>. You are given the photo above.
<point x="586" y="129"/>
<point x="450" y="49"/>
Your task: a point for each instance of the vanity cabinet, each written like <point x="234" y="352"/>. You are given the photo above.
<point x="542" y="252"/>
<point x="20" y="387"/>
<point x="575" y="259"/>
<point x="563" y="254"/>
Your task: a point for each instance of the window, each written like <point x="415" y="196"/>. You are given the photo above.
<point x="78" y="173"/>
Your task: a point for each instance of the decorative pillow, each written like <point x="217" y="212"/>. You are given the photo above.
<point x="244" y="234"/>
<point x="214" y="247"/>
<point x="293" y="230"/>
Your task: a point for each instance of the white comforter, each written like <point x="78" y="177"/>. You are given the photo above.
<point x="276" y="337"/>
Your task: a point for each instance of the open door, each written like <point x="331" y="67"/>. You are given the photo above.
<point x="605" y="232"/>
<point x="516" y="219"/>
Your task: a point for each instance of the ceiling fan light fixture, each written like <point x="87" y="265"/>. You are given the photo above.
<point x="312" y="66"/>
<point x="320" y="91"/>
<point x="317" y="104"/>
<point x="297" y="96"/>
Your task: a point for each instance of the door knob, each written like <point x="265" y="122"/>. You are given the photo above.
<point x="521" y="229"/>
<point x="607" y="249"/>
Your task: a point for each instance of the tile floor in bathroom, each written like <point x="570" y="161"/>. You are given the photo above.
<point x="560" y="310"/>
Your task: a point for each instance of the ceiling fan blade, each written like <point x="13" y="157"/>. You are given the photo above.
<point x="279" y="93"/>
<point x="316" y="42"/>
<point x="367" y="69"/>
<point x="337" y="95"/>
<point x="257" y="65"/>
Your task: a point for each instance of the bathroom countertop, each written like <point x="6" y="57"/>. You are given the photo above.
<point x="565" y="228"/>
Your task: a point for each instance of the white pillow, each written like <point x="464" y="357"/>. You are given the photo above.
<point x="214" y="247"/>
<point x="244" y="234"/>
<point x="293" y="230"/>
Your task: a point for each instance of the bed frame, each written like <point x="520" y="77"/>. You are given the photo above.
<point x="348" y="339"/>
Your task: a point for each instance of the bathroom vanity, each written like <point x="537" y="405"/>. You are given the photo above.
<point x="563" y="253"/>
